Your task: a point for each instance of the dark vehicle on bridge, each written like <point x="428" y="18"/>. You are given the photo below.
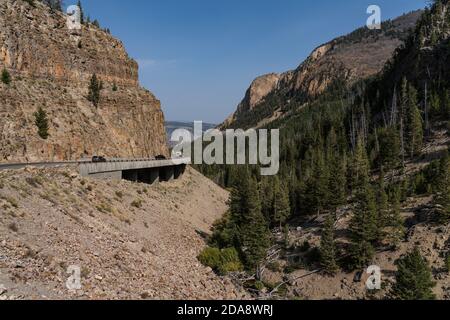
<point x="98" y="159"/>
<point x="160" y="157"/>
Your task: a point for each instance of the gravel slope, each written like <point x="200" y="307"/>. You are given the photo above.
<point x="130" y="240"/>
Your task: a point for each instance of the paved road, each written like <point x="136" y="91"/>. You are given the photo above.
<point x="16" y="166"/>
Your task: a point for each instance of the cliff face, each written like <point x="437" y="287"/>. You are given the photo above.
<point x="356" y="56"/>
<point x="51" y="67"/>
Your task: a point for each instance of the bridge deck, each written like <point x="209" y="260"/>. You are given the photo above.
<point x="89" y="168"/>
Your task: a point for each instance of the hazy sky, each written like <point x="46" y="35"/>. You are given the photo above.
<point x="199" y="56"/>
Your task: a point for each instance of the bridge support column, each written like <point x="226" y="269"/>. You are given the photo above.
<point x="131" y="175"/>
<point x="179" y="171"/>
<point x="153" y="176"/>
<point x="166" y="174"/>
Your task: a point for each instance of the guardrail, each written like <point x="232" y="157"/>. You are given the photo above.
<point x="12" y="166"/>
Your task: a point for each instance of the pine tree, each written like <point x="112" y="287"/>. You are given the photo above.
<point x="6" y="77"/>
<point x="337" y="183"/>
<point x="435" y="104"/>
<point x="442" y="198"/>
<point x="317" y="186"/>
<point x="53" y="4"/>
<point x="363" y="225"/>
<point x="360" y="166"/>
<point x="382" y="210"/>
<point x="395" y="231"/>
<point x="414" y="124"/>
<point x="95" y="87"/>
<point x="328" y="247"/>
<point x="390" y="148"/>
<point x="402" y="119"/>
<point x="41" y="122"/>
<point x="81" y="12"/>
<point x="281" y="206"/>
<point x="414" y="279"/>
<point x="267" y="198"/>
<point x="254" y="230"/>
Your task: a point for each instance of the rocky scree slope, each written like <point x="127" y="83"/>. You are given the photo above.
<point x="130" y="241"/>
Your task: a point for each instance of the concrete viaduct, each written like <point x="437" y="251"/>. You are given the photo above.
<point x="139" y="170"/>
<point x="148" y="171"/>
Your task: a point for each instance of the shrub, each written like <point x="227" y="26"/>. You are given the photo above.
<point x="104" y="208"/>
<point x="230" y="261"/>
<point x="221" y="261"/>
<point x="274" y="266"/>
<point x="313" y="256"/>
<point x="31" y="3"/>
<point x="291" y="268"/>
<point x="119" y="194"/>
<point x="6" y="77"/>
<point x="210" y="257"/>
<point x="13" y="227"/>
<point x="447" y="263"/>
<point x="12" y="202"/>
<point x="35" y="182"/>
<point x="137" y="203"/>
<point x="259" y="285"/>
<point x="305" y="246"/>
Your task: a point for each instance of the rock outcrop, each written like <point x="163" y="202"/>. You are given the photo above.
<point x="350" y="58"/>
<point x="51" y="67"/>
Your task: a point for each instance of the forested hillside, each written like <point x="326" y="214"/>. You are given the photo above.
<point x="346" y="59"/>
<point x="358" y="152"/>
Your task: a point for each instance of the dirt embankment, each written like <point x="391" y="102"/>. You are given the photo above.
<point x="131" y="241"/>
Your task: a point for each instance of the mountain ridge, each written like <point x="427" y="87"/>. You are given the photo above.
<point x="347" y="59"/>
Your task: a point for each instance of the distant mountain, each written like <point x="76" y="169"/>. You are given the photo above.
<point x="171" y="126"/>
<point x="344" y="60"/>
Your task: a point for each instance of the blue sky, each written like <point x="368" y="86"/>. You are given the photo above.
<point x="199" y="56"/>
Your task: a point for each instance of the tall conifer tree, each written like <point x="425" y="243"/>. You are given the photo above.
<point x="328" y="247"/>
<point x="414" y="279"/>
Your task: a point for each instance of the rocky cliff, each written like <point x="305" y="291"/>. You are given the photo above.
<point x="51" y="67"/>
<point x="347" y="59"/>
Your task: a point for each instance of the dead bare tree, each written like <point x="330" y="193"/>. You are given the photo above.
<point x="394" y="109"/>
<point x="427" y="120"/>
